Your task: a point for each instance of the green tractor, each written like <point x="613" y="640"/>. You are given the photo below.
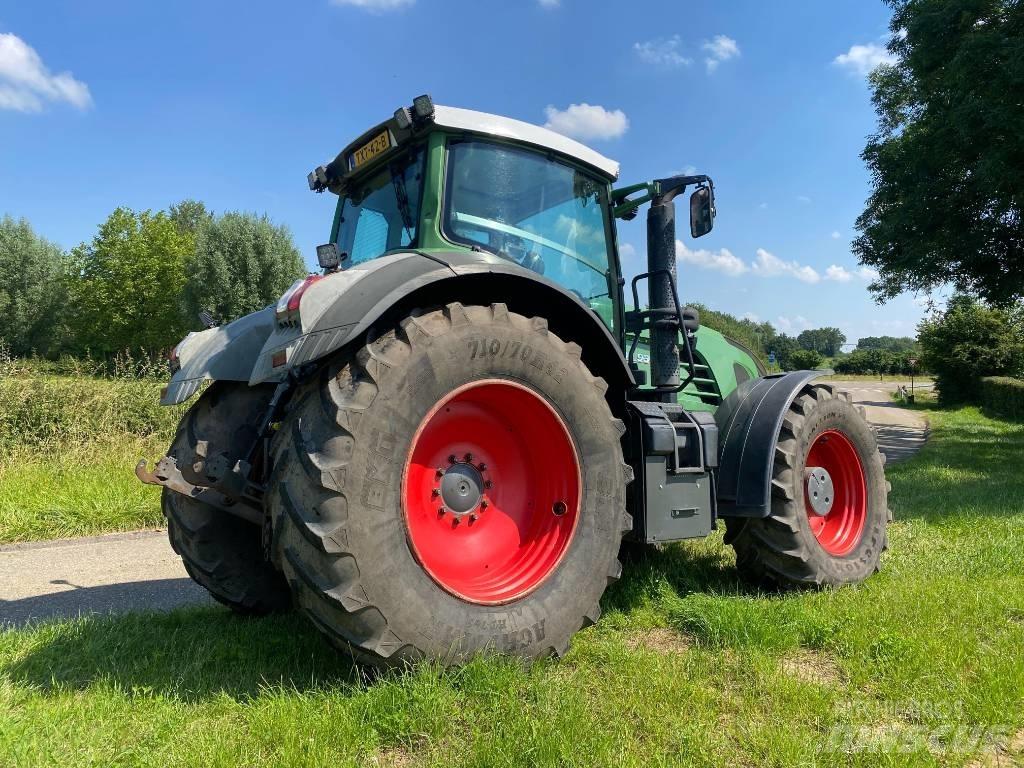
<point x="436" y="447"/>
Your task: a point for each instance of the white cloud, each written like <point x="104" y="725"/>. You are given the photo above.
<point x="769" y="265"/>
<point x="26" y="85"/>
<point x="803" y="199"/>
<point x="838" y="274"/>
<point x="763" y="206"/>
<point x="867" y="273"/>
<point x="584" y="121"/>
<point x="720" y="48"/>
<point x="722" y="261"/>
<point x="549" y="3"/>
<point x="376" y="6"/>
<point x="836" y="235"/>
<point x="792" y="325"/>
<point x="662" y="53"/>
<point x="751" y="317"/>
<point x="862" y="59"/>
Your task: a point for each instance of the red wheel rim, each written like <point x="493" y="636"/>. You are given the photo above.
<point x="840" y="530"/>
<point x="511" y="450"/>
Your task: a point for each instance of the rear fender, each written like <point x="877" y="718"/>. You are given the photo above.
<point x="748" y="428"/>
<point x="342" y="306"/>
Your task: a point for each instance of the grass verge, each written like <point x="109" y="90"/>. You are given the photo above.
<point x="921" y="665"/>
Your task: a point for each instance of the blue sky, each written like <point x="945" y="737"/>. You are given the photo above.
<point x="142" y="104"/>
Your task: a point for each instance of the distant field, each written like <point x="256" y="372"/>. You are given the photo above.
<point x="921" y="665"/>
<point x="886" y="378"/>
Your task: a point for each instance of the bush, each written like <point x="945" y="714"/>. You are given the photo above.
<point x="805" y="360"/>
<point x="968" y="341"/>
<point x="1003" y="395"/>
<point x="60" y="412"/>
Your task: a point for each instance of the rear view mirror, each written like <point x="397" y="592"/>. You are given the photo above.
<point x="702" y="211"/>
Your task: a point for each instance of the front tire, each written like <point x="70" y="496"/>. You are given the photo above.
<point x="829" y="500"/>
<point x="221" y="552"/>
<point x="455" y="487"/>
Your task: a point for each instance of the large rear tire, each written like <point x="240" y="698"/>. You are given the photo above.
<point x="457" y="486"/>
<point x="829" y="499"/>
<point x="222" y="552"/>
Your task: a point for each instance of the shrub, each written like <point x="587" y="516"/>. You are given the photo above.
<point x="970" y="340"/>
<point x="805" y="360"/>
<point x="59" y="412"/>
<point x="1003" y="395"/>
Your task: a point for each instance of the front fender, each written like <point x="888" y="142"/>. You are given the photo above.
<point x="748" y="428"/>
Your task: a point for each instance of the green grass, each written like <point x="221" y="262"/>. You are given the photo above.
<point x="921" y="665"/>
<point x="84" y="491"/>
<point x="68" y="448"/>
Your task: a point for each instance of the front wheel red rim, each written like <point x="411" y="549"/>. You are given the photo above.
<point x="491" y="491"/>
<point x="837" y="521"/>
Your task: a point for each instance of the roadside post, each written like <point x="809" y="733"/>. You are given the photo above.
<point x="913" y="365"/>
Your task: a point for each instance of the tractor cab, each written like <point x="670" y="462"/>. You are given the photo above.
<point x="441" y="179"/>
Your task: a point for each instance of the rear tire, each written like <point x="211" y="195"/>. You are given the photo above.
<point x="221" y="552"/>
<point x="797" y="545"/>
<point x="391" y="578"/>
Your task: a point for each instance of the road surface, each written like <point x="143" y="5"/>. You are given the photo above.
<point x="139" y="571"/>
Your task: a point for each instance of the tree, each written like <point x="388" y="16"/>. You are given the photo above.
<point x="189" y="216"/>
<point x="804" y="360"/>
<point x="30" y="297"/>
<point x="242" y="263"/>
<point x="945" y="163"/>
<point x="970" y="340"/>
<point x="891" y="343"/>
<point x="825" y="341"/>
<point x="127" y="295"/>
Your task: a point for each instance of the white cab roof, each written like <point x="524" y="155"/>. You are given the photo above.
<point x="517" y="130"/>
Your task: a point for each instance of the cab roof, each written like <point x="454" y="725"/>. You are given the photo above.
<point x="517" y="130"/>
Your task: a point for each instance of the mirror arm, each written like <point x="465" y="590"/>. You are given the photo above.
<point x="659" y="190"/>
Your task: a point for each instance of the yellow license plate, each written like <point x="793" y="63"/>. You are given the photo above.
<point x="378" y="145"/>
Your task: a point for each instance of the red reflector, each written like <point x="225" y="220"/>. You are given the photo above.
<point x="280" y="358"/>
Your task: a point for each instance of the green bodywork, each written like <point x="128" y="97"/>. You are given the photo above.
<point x="721" y="363"/>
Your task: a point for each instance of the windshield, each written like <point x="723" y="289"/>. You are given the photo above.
<point x="380" y="213"/>
<point x="531" y="209"/>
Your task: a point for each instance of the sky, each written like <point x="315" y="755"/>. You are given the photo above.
<point x="120" y="102"/>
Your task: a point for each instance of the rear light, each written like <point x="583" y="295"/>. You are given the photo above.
<point x="287" y="311"/>
<point x="280" y="358"/>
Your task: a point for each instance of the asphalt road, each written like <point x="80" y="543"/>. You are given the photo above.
<point x="139" y="571"/>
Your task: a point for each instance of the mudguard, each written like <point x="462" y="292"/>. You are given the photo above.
<point x="748" y="428"/>
<point x="334" y="310"/>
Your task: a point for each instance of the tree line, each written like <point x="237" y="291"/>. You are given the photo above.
<point x="140" y="282"/>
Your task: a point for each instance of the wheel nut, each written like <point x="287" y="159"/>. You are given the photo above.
<point x="488" y="483"/>
<point x="484" y="504"/>
<point x="436" y="492"/>
<point x="451" y="458"/>
<point x="472" y="518"/>
<point x="469" y="457"/>
<point x="439" y="473"/>
<point x="440" y="511"/>
<point x="482" y="467"/>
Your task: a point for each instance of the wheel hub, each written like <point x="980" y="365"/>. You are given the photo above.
<point x="462" y="488"/>
<point x="820" y="491"/>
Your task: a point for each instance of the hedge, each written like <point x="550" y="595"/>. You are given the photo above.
<point x="1003" y="395"/>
